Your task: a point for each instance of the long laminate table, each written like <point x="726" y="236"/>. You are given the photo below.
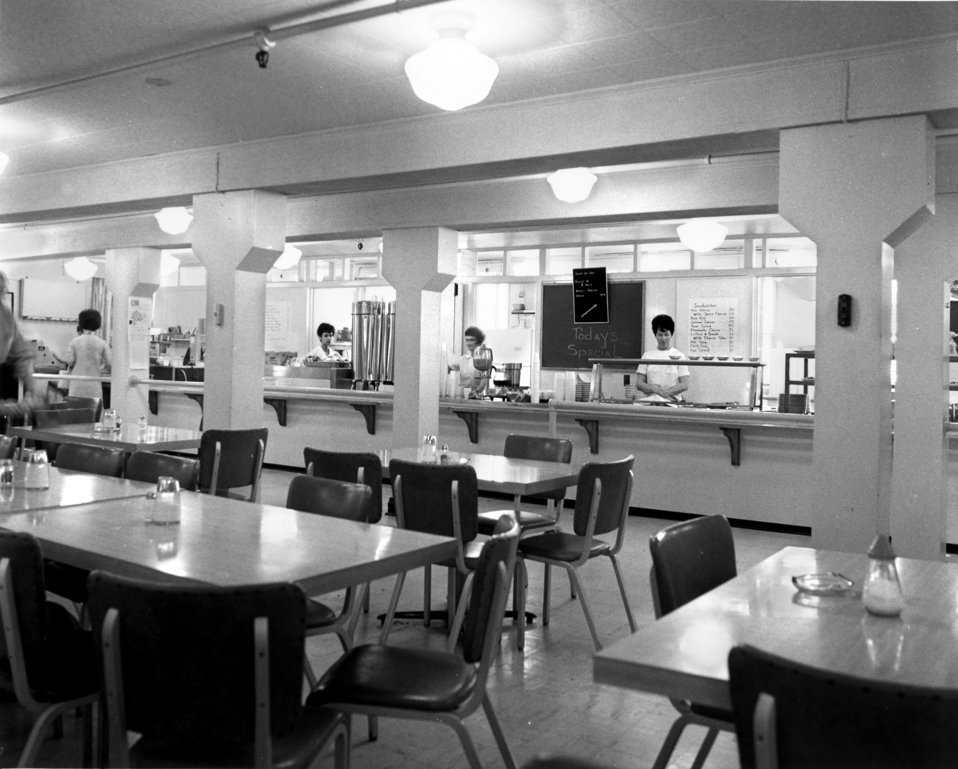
<point x="503" y="474"/>
<point x="222" y="541"/>
<point x="67" y="488"/>
<point x="684" y="654"/>
<point x="128" y="437"/>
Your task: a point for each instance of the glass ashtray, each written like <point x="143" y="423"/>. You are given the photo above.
<point x="825" y="583"/>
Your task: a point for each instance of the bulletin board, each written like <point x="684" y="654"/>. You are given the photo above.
<point x="52" y="299"/>
<point x="569" y="345"/>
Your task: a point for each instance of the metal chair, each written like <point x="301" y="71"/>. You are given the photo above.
<point x="60" y="416"/>
<point x="209" y="676"/>
<point x="101" y="460"/>
<point x="79" y="402"/>
<point x="601" y="507"/>
<point x="353" y="466"/>
<point x="543" y="448"/>
<point x="437" y="499"/>
<point x="431" y="685"/>
<point x="150" y="465"/>
<point x="49" y="662"/>
<point x="231" y="459"/>
<point x="688" y="559"/>
<point x="788" y="714"/>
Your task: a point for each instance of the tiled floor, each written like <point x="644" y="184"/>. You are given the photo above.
<point x="544" y="696"/>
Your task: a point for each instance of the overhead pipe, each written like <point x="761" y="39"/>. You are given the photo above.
<point x="250" y="39"/>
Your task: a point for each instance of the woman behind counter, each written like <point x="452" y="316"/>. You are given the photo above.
<point x="87" y="355"/>
<point x="472" y="381"/>
<point x="326" y="333"/>
<point x="670" y="381"/>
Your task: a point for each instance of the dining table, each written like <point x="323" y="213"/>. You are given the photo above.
<point x="67" y="488"/>
<point x="223" y="541"/>
<point x="498" y="473"/>
<point x="129" y="437"/>
<point x="684" y="654"/>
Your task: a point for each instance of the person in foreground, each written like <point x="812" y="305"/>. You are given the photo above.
<point x="666" y="381"/>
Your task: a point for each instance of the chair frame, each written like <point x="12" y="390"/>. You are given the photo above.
<point x="46" y="712"/>
<point x="258" y="456"/>
<point x="456" y="607"/>
<point x="687" y="716"/>
<point x="585" y="555"/>
<point x="479" y="696"/>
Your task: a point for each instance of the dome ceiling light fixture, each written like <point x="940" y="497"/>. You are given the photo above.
<point x="702" y="234"/>
<point x="572" y="185"/>
<point x="288" y="259"/>
<point x="174" y="221"/>
<point x="80" y="268"/>
<point x="451" y="73"/>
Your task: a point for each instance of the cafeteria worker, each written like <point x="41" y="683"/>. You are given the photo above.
<point x="471" y="380"/>
<point x="667" y="381"/>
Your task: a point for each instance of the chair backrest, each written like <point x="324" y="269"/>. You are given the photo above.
<point x="102" y="460"/>
<point x="8" y="446"/>
<point x="240" y="460"/>
<point x="21" y="565"/>
<point x="481" y="630"/>
<point x="79" y="402"/>
<point x="810" y="717"/>
<point x="324" y="496"/>
<point x="344" y="466"/>
<point x="424" y="498"/>
<point x="543" y="448"/>
<point x="186" y="657"/>
<point x="63" y="416"/>
<point x="690" y="558"/>
<point x="616" y="487"/>
<point x="150" y="465"/>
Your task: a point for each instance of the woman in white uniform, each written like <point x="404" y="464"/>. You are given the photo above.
<point x="87" y="355"/>
<point x="668" y="381"/>
<point x="471" y="380"/>
<point x="326" y="333"/>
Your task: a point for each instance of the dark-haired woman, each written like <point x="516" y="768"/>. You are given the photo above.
<point x="326" y="333"/>
<point x="87" y="355"/>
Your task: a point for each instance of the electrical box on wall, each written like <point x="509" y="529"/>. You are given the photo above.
<point x="844" y="310"/>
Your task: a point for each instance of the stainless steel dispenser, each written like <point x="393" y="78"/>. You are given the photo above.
<point x="374" y="343"/>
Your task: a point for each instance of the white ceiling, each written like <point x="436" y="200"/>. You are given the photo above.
<point x="60" y="107"/>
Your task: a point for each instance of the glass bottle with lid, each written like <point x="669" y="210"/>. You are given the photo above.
<point x="882" y="594"/>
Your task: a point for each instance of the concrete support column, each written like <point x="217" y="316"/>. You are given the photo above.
<point x="237" y="236"/>
<point x="419" y="263"/>
<point x="925" y="266"/>
<point x="132" y="276"/>
<point x="857" y="190"/>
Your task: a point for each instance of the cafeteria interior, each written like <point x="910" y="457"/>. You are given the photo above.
<point x="545" y="697"/>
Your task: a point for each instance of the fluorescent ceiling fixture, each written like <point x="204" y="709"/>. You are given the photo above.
<point x="174" y="221"/>
<point x="289" y="258"/>
<point x="451" y="73"/>
<point x="168" y="264"/>
<point x="702" y="234"/>
<point x="4" y="159"/>
<point x="80" y="268"/>
<point x="572" y="185"/>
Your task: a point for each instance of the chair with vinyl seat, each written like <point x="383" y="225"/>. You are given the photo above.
<point x="542" y="448"/>
<point x="232" y="459"/>
<point x="690" y="558"/>
<point x="601" y="508"/>
<point x="208" y="676"/>
<point x="60" y="416"/>
<point x="102" y="460"/>
<point x="48" y="661"/>
<point x="428" y="684"/>
<point x="443" y="500"/>
<point x="79" y="402"/>
<point x="789" y="715"/>
<point x="353" y="466"/>
<point x="148" y="466"/>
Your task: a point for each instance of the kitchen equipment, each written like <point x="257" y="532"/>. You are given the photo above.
<point x="512" y="372"/>
<point x="374" y="342"/>
<point x="482" y="362"/>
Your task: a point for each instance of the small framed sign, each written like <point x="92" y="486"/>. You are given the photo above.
<point x="590" y="295"/>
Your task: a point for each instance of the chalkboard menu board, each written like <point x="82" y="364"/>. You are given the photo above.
<point x="569" y="345"/>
